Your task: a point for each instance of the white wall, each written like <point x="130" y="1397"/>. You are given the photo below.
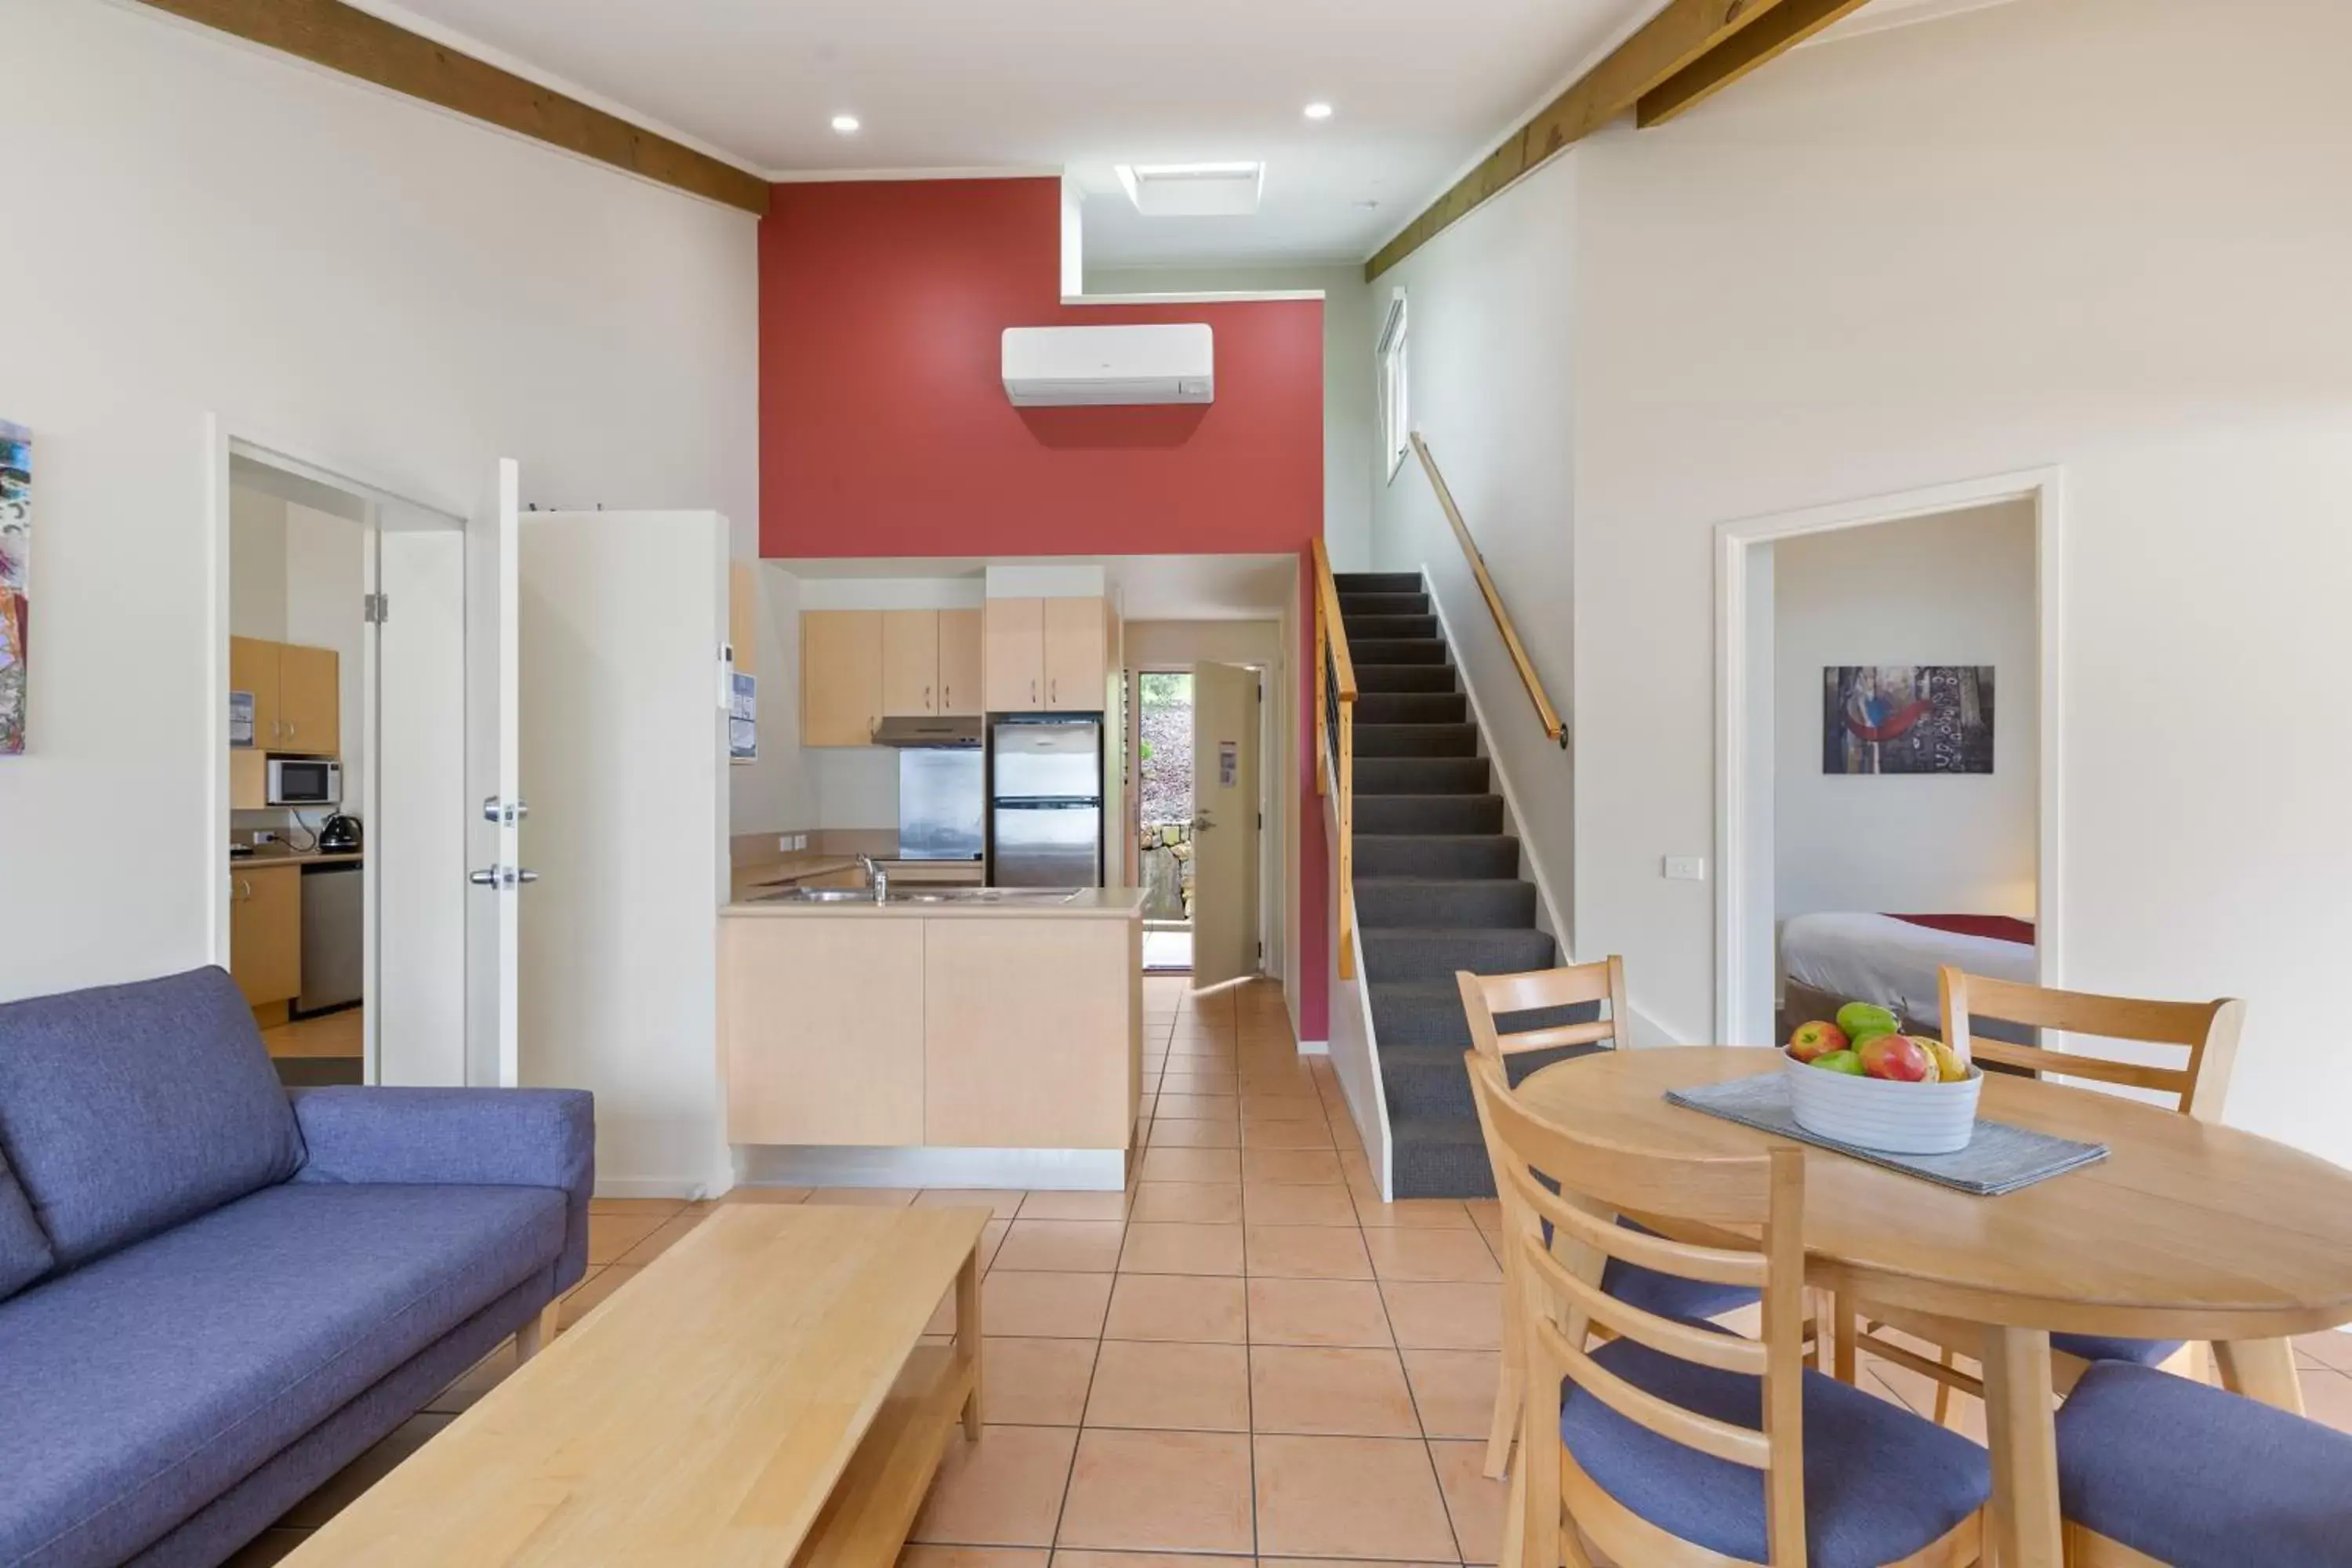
<point x="1490" y="337"/>
<point x="776" y="794"/>
<point x="1350" y="406"/>
<point x="198" y="227"/>
<point x="256" y="565"/>
<point x="1973" y="247"/>
<point x="1953" y="589"/>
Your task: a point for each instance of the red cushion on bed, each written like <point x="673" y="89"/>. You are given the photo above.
<point x="2000" y="928"/>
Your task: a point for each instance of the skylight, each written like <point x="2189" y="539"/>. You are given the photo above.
<point x="1193" y="190"/>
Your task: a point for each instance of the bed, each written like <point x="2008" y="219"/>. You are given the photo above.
<point x="1830" y="959"/>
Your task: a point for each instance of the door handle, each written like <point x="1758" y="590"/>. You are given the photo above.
<point x="1200" y="823"/>
<point x="501" y="876"/>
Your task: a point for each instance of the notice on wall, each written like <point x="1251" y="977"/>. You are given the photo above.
<point x="240" y="718"/>
<point x="16" y="576"/>
<point x="743" y="717"/>
<point x="1229" y="764"/>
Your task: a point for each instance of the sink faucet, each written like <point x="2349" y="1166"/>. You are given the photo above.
<point x="875" y="878"/>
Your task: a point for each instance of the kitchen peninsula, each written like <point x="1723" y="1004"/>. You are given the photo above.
<point x="984" y="1037"/>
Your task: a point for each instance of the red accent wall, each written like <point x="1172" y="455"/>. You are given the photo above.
<point x="884" y="431"/>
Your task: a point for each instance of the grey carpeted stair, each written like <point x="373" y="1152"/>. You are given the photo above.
<point x="1438" y="883"/>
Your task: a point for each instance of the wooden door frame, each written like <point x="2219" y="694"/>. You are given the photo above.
<point x="2044" y="489"/>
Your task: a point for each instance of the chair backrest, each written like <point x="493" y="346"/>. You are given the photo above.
<point x="2209" y="1030"/>
<point x="1485" y="995"/>
<point x="1562" y="1301"/>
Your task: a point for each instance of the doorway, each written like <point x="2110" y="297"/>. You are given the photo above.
<point x="1164" y="863"/>
<point x="1887" y="782"/>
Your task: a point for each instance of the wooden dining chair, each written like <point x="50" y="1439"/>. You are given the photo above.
<point x="1676" y="1442"/>
<point x="2196" y="1086"/>
<point x="1485" y="999"/>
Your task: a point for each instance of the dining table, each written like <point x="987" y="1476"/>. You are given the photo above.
<point x="2187" y="1230"/>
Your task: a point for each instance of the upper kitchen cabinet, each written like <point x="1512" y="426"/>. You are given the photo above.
<point x="297" y="694"/>
<point x="1077" y="650"/>
<point x="910" y="663"/>
<point x="841" y="677"/>
<point x="961" y="662"/>
<point x="1015" y="652"/>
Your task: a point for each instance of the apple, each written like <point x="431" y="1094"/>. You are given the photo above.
<point x="1840" y="1061"/>
<point x="1898" y="1057"/>
<point x="1949" y="1068"/>
<point x="1818" y="1038"/>
<point x="1860" y="1018"/>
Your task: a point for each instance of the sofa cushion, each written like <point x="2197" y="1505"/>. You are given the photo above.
<point x="143" y="1385"/>
<point x="25" y="1254"/>
<point x="127" y="1109"/>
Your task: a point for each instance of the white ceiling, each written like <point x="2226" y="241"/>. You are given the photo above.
<point x="1420" y="91"/>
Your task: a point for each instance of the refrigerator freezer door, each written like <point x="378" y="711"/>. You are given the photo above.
<point x="1061" y="760"/>
<point x="1041" y="845"/>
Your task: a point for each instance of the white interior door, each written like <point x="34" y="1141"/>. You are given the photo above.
<point x="1224" y="823"/>
<point x="494" y="779"/>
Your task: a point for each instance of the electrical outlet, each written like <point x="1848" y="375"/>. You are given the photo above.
<point x="1685" y="869"/>
<point x="265" y="836"/>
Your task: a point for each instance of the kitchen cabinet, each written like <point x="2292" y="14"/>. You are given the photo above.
<point x="1077" y="644"/>
<point x="823" y="1032"/>
<point x="841" y="677"/>
<point x="265" y="934"/>
<point x="1029" y="1033"/>
<point x="743" y="615"/>
<point x="961" y="662"/>
<point x="910" y="663"/>
<point x="1015" y="639"/>
<point x="296" y="695"/>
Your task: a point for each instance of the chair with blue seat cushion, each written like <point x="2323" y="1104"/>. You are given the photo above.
<point x="1679" y="1442"/>
<point x="2198" y="1086"/>
<point x="2154" y="1467"/>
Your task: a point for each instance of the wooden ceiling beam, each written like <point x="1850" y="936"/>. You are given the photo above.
<point x="1774" y="34"/>
<point x="1670" y="47"/>
<point x="342" y="38"/>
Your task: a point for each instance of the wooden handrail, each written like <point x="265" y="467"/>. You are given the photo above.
<point x="1335" y="758"/>
<point x="1545" y="713"/>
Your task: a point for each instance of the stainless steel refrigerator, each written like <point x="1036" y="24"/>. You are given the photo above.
<point x="1046" y="807"/>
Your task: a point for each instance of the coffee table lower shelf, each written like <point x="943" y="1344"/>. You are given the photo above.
<point x="874" y="1504"/>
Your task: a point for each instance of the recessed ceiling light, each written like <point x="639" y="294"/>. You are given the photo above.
<point x="1318" y="111"/>
<point x="845" y="123"/>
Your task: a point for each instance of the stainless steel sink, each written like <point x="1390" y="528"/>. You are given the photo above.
<point x="922" y="896"/>
<point x="816" y="896"/>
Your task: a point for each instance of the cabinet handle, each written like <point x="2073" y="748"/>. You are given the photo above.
<point x="1053" y="692"/>
<point x="927" y="701"/>
<point x="245" y="890"/>
<point x="1033" y="692"/>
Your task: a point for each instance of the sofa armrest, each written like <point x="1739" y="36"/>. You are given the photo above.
<point x="450" y="1136"/>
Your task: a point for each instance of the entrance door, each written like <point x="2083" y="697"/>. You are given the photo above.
<point x="493" y="777"/>
<point x="1224" y="823"/>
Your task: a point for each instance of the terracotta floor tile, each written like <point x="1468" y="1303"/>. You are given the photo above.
<point x="971" y="1557"/>
<point x="1455" y="1390"/>
<point x="1473" y="1503"/>
<point x="593" y="1293"/>
<point x="610" y="1235"/>
<point x="1068" y="1559"/>
<point x="1002" y="1204"/>
<point x="1349" y="1497"/>
<point x="1060" y="1246"/>
<point x="2329" y="1348"/>
<point x="1207" y="1081"/>
<point x="1035" y="1383"/>
<point x="660" y="1208"/>
<point x="1187" y="1202"/>
<point x="339" y="1490"/>
<point x="1156" y="1249"/>
<point x="1444" y="1316"/>
<point x="668" y="1235"/>
<point x="1225" y="1134"/>
<point x="1188" y="1387"/>
<point x="1003" y="1491"/>
<point x="1287" y="1135"/>
<point x="1318" y="1167"/>
<point x="992" y="1238"/>
<point x="1486" y="1213"/>
<point x="1351" y="1393"/>
<point x="1316" y="1312"/>
<point x="748" y="1194"/>
<point x="1307" y="1252"/>
<point x="1437" y="1256"/>
<point x="1199" y="1309"/>
<point x="1198" y="1106"/>
<point x="1044" y="1306"/>
<point x="1159" y="1491"/>
<point x="1414" y="1213"/>
<point x="2327" y="1399"/>
<point x="869" y="1197"/>
<point x="1076" y="1205"/>
<point x="1272" y="1203"/>
<point x="1192" y="1165"/>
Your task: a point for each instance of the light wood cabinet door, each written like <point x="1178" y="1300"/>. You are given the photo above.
<point x="743" y="615"/>
<point x="910" y="663"/>
<point x="1031" y="1033"/>
<point x="265" y="933"/>
<point x="310" y="700"/>
<point x="841" y="677"/>
<point x="1016" y="655"/>
<point x="253" y="666"/>
<point x="1076" y="647"/>
<point x="821" y="1021"/>
<point x="961" y="662"/>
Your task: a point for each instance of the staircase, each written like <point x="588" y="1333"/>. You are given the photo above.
<point x="1437" y="884"/>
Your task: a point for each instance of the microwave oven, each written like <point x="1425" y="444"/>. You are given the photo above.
<point x="305" y="781"/>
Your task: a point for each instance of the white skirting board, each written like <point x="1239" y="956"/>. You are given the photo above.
<point x="983" y="1169"/>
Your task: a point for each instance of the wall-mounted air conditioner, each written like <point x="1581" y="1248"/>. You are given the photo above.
<point x="1052" y="366"/>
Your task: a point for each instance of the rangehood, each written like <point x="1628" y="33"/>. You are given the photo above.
<point x="957" y="732"/>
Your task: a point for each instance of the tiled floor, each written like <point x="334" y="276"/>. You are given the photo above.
<point x="1245" y="1354"/>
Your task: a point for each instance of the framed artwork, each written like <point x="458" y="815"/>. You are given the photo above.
<point x="1906" y="719"/>
<point x="15" y="568"/>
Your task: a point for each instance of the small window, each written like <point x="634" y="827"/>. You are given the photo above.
<point x="1396" y="424"/>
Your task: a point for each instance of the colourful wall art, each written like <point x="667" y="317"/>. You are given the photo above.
<point x="15" y="567"/>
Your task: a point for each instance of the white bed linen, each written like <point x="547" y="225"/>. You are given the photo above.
<point x="1878" y="958"/>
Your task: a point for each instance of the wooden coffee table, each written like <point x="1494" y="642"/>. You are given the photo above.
<point x="759" y="1394"/>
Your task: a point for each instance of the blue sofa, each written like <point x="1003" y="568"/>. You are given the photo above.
<point x="214" y="1293"/>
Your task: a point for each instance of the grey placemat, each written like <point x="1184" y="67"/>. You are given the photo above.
<point x="1999" y="1159"/>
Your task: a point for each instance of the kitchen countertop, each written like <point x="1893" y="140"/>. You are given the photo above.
<point x="262" y="858"/>
<point x="1091" y="903"/>
<point x="803" y="865"/>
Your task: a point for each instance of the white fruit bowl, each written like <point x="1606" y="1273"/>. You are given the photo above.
<point x="1881" y="1114"/>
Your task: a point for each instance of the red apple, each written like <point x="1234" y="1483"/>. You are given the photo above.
<point x="1898" y="1057"/>
<point x="1818" y="1038"/>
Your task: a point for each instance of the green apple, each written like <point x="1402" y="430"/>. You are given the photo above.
<point x="1846" y="1062"/>
<point x="1860" y="1018"/>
